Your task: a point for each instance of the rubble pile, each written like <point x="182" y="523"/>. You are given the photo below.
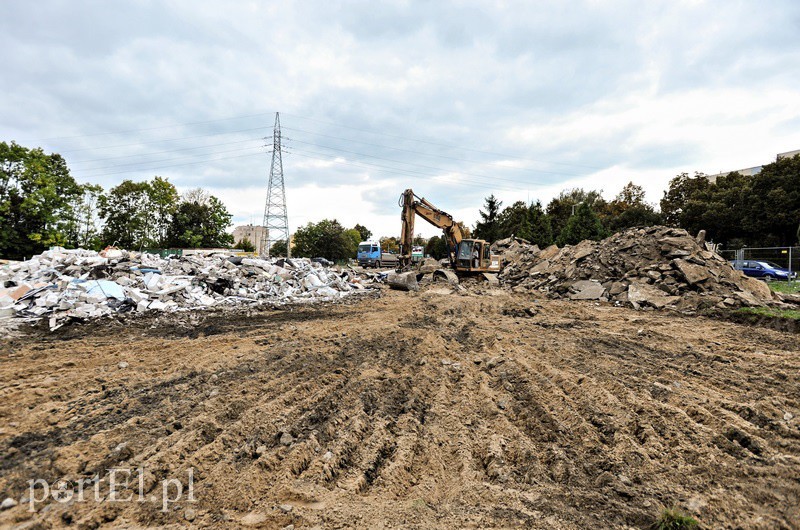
<point x="81" y="284"/>
<point x="641" y="267"/>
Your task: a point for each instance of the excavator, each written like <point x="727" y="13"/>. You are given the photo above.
<point x="468" y="257"/>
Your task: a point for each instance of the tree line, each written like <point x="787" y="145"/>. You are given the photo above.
<point x="571" y="217"/>
<point x="736" y="210"/>
<point x="42" y="205"/>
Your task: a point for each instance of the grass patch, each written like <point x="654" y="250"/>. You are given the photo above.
<point x="674" y="519"/>
<point x="793" y="314"/>
<point x="785" y="287"/>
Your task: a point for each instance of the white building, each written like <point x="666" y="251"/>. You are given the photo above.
<point x="750" y="171"/>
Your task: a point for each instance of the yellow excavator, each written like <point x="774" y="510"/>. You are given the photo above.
<point x="468" y="257"/>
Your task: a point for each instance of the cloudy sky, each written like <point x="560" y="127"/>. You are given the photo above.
<point x="456" y="100"/>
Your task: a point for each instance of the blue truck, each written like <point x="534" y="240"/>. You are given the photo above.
<point x="371" y="255"/>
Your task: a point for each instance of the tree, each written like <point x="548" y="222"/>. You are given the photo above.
<point x="163" y="203"/>
<point x="391" y="244"/>
<point x="515" y="221"/>
<point x="37" y="198"/>
<point x="774" y="202"/>
<point x="355" y="239"/>
<point x="84" y="228"/>
<point x="278" y="249"/>
<point x="723" y="208"/>
<point x="436" y="247"/>
<point x="200" y="225"/>
<point x="419" y="241"/>
<point x="560" y="209"/>
<point x="126" y="210"/>
<point x="245" y="245"/>
<point x="541" y="229"/>
<point x="364" y="231"/>
<point x="488" y="227"/>
<point x="585" y="224"/>
<point x="327" y="239"/>
<point x="675" y="206"/>
<point x="629" y="209"/>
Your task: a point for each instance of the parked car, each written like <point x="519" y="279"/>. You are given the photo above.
<point x="322" y="261"/>
<point x="763" y="269"/>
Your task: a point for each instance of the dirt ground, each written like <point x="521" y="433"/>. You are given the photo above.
<point x="414" y="410"/>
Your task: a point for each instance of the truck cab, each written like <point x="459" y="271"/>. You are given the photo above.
<point x="369" y="254"/>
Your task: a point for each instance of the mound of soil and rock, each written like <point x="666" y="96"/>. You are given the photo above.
<point x="658" y="267"/>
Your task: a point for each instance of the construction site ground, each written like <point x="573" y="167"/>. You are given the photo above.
<point x="436" y="409"/>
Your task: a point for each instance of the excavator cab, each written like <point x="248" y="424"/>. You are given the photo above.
<point x="473" y="255"/>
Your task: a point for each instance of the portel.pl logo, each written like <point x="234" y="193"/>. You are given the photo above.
<point x="119" y="485"/>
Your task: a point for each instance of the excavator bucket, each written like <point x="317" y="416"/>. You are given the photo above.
<point x="446" y="275"/>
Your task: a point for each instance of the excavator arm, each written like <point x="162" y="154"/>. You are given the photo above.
<point x="412" y="206"/>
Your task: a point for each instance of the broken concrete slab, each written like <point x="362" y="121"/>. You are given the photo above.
<point x="587" y="290"/>
<point x="404" y="281"/>
<point x="691" y="272"/>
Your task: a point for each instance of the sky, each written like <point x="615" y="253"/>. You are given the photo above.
<point x="457" y="100"/>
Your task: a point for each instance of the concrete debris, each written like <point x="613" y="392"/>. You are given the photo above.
<point x="404" y="281"/>
<point x="656" y="267"/>
<point x="64" y="285"/>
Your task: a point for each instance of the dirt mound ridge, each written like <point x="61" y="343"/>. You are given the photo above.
<point x="641" y="267"/>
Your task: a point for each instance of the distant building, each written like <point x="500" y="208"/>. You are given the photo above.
<point x="254" y="233"/>
<point x="750" y="171"/>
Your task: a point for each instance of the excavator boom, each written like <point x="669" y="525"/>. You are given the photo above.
<point x="413" y="206"/>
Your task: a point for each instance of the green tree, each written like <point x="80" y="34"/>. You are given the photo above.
<point x="126" y="210"/>
<point x="278" y="249"/>
<point x="83" y="229"/>
<point x="561" y="208"/>
<point x="488" y="227"/>
<point x="436" y="247"/>
<point x="722" y="208"/>
<point x="364" y="232"/>
<point x="515" y="221"/>
<point x="200" y="225"/>
<point x="245" y="245"/>
<point x="585" y="224"/>
<point x="680" y="199"/>
<point x="327" y="239"/>
<point x="391" y="244"/>
<point x="541" y="229"/>
<point x="629" y="209"/>
<point x="163" y="198"/>
<point x="773" y="211"/>
<point x="37" y="198"/>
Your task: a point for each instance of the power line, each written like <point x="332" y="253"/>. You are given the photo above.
<point x="165" y="140"/>
<point x="495" y="164"/>
<point x="442" y="144"/>
<point x="169" y="159"/>
<point x="171" y="165"/>
<point x="405" y="172"/>
<point x="168" y="151"/>
<point x="417" y="165"/>
<point x="155" y="128"/>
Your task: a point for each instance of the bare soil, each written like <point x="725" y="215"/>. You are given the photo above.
<point x="486" y="409"/>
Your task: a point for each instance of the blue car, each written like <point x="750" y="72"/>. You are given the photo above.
<point x="763" y="269"/>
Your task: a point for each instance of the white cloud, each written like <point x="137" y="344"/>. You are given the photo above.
<point x="537" y="97"/>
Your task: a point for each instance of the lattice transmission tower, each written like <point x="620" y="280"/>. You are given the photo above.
<point x="276" y="221"/>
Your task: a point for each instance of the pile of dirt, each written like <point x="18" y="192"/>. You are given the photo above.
<point x="641" y="267"/>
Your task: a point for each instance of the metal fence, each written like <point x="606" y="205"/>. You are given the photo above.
<point x="785" y="257"/>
